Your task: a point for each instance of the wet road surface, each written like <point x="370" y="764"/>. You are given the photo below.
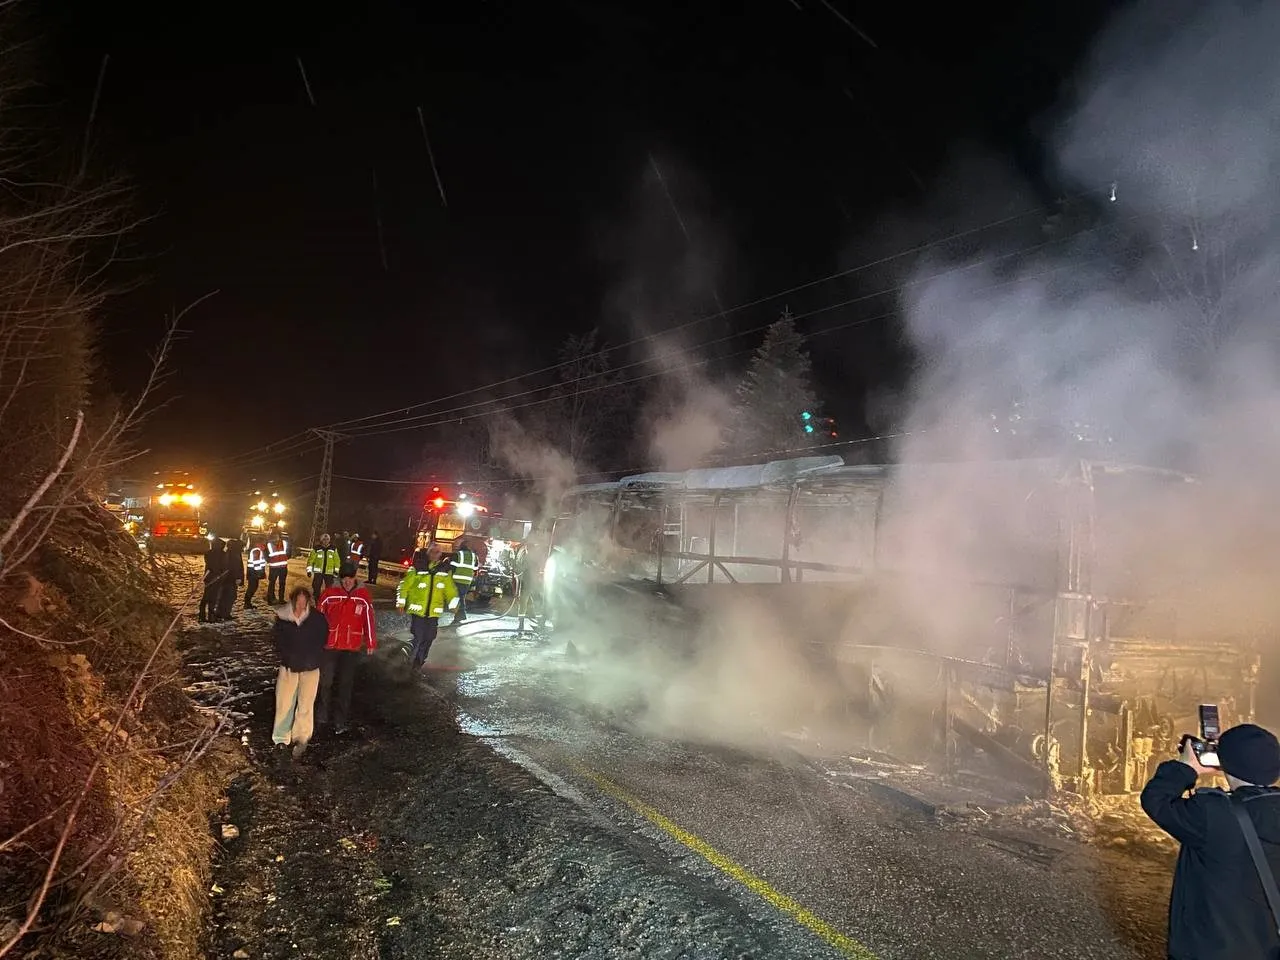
<point x="871" y="876"/>
<point x="517" y="802"/>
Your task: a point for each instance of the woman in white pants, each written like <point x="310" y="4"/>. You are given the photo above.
<point x="300" y="635"/>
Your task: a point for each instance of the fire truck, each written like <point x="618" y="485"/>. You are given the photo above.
<point x="171" y="521"/>
<point x="446" y="518"/>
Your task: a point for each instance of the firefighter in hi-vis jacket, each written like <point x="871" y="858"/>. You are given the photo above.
<point x="256" y="562"/>
<point x="426" y="591"/>
<point x="323" y="564"/>
<point x="277" y="567"/>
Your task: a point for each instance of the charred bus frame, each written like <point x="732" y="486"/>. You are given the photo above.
<point x="1078" y="691"/>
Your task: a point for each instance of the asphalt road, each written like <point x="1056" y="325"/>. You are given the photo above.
<point x="869" y="874"/>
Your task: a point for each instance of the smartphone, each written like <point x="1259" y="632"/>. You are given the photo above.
<point x="1207" y="754"/>
<point x="1209" y="729"/>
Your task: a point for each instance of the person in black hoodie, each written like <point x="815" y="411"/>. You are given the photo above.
<point x="234" y="579"/>
<point x="1217" y="910"/>
<point x="300" y="634"/>
<point x="374" y="551"/>
<point x="215" y="565"/>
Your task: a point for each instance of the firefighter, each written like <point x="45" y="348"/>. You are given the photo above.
<point x="215" y="566"/>
<point x="352" y="635"/>
<point x="465" y="563"/>
<point x="323" y="563"/>
<point x="233" y="580"/>
<point x="426" y="591"/>
<point x="355" y="551"/>
<point x="277" y="567"/>
<point x="257" y="564"/>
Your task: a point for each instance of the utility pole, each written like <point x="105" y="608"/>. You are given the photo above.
<point x="320" y="519"/>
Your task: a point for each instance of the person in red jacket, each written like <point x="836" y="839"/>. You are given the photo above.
<point x="352" y="635"/>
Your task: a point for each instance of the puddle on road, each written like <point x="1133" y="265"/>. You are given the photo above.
<point x="477" y="728"/>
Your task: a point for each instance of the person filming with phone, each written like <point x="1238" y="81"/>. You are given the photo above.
<point x="1224" y="902"/>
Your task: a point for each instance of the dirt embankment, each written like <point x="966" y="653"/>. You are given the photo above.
<point x="102" y="755"/>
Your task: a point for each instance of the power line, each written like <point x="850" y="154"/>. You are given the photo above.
<point x="373" y="429"/>
<point x="444" y="417"/>
<point x="867" y="265"/>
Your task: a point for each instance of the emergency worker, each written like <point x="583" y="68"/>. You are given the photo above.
<point x="323" y="564"/>
<point x="234" y="579"/>
<point x="425" y="592"/>
<point x="215" y="565"/>
<point x="256" y="562"/>
<point x="277" y="567"/>
<point x="348" y="608"/>
<point x="465" y="563"/>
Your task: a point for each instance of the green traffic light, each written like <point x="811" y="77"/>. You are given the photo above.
<point x="806" y="415"/>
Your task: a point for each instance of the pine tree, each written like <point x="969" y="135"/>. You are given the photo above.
<point x="775" y="390"/>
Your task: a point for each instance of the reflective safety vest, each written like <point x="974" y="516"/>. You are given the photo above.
<point x="427" y="593"/>
<point x="257" y="559"/>
<point x="464" y="568"/>
<point x="324" y="560"/>
<point x="278" y="553"/>
<point x="357" y="552"/>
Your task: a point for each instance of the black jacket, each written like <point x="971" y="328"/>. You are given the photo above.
<point x="373" y="549"/>
<point x="233" y="562"/>
<point x="215" y="564"/>
<point x="1217" y="910"/>
<point x="301" y="645"/>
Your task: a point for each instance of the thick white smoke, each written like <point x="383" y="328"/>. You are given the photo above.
<point x="1165" y="343"/>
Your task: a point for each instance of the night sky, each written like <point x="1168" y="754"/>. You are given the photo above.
<point x="542" y="118"/>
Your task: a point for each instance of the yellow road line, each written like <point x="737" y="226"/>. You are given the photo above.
<point x="761" y="888"/>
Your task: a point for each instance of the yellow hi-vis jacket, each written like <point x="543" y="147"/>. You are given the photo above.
<point x="427" y="593"/>
<point x="464" y="568"/>
<point x="324" y="560"/>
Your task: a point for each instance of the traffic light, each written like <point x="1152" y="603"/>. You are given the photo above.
<point x="807" y="418"/>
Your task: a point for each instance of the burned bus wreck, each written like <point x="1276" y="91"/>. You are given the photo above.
<point x="1041" y="612"/>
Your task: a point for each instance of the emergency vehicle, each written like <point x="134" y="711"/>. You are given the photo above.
<point x="445" y="519"/>
<point x="171" y="519"/>
<point x="266" y="513"/>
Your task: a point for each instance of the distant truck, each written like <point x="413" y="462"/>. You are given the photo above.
<point x="171" y="519"/>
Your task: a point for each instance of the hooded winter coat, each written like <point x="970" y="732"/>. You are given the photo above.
<point x="1217" y="910"/>
<point x="300" y="643"/>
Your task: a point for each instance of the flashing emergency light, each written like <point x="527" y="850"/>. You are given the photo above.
<point x="278" y="508"/>
<point x="193" y="498"/>
<point x="166" y="499"/>
<point x="466" y="509"/>
<point x="438" y="502"/>
<point x="256" y="521"/>
<point x="262" y="506"/>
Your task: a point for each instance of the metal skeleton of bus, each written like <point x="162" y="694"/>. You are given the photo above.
<point x="1076" y="686"/>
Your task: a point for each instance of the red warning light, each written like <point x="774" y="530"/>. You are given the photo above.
<point x="438" y="502"/>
